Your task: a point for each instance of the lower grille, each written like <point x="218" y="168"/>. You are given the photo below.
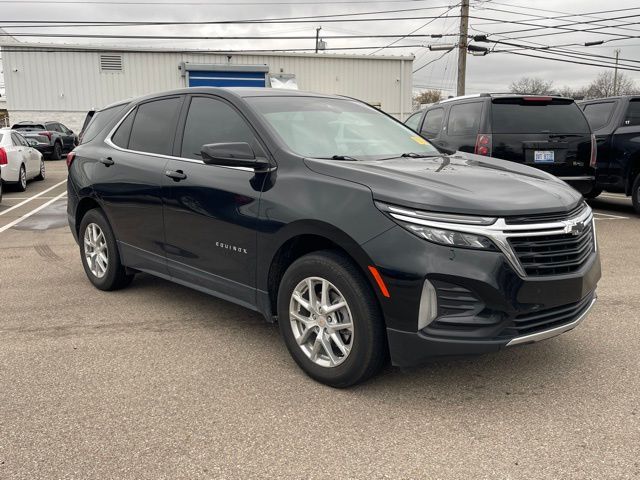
<point x="550" y="318"/>
<point x="542" y="255"/>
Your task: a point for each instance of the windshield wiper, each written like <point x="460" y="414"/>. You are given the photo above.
<point x="418" y="155"/>
<point x="339" y="157"/>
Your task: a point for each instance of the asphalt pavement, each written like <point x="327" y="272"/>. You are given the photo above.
<point x="159" y="381"/>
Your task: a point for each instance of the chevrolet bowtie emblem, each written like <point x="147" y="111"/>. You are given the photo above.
<point x="575" y="229"/>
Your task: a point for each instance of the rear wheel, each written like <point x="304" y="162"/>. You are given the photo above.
<point x="56" y="154"/>
<point x="330" y="320"/>
<point x="21" y="186"/>
<point x="635" y="194"/>
<point x="42" y="174"/>
<point x="99" y="253"/>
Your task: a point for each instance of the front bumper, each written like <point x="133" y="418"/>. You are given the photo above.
<point x="483" y="304"/>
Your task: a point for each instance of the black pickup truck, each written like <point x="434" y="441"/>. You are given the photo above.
<point x="616" y="124"/>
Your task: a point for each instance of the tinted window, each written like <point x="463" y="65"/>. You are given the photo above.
<point x="64" y="129"/>
<point x="598" y="114"/>
<point x="154" y="126"/>
<point x="14" y="140"/>
<point x="1" y="137"/>
<point x="99" y="121"/>
<point x="519" y="116"/>
<point x="54" y="127"/>
<point x="433" y="121"/>
<point x="464" y="119"/>
<point x="121" y="137"/>
<point x="212" y="121"/>
<point x="28" y="125"/>
<point x="633" y="113"/>
<point x="21" y="140"/>
<point x="413" y="121"/>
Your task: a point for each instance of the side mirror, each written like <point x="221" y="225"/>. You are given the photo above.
<point x="32" y="143"/>
<point x="239" y="154"/>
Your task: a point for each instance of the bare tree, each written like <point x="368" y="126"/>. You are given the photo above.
<point x="603" y="86"/>
<point x="428" y="96"/>
<point x="531" y="86"/>
<point x="576" y="93"/>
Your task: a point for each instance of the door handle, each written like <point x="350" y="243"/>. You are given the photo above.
<point x="107" y="162"/>
<point x="176" y="175"/>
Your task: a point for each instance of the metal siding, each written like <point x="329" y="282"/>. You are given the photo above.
<point x="42" y="77"/>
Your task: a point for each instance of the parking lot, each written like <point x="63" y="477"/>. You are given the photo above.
<point x="159" y="381"/>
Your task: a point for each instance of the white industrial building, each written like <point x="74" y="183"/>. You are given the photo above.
<point x="63" y="82"/>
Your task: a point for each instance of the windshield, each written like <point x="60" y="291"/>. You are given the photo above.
<point x="331" y="127"/>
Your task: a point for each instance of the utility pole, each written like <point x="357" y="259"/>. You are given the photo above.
<point x="318" y="38"/>
<point x="462" y="51"/>
<point x="615" y="73"/>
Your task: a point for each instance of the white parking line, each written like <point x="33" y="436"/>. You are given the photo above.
<point x="5" y="199"/>
<point x="31" y="198"/>
<point x="617" y="197"/>
<point x="32" y="212"/>
<point x="608" y="216"/>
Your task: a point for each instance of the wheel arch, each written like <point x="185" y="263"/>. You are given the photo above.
<point x="299" y="239"/>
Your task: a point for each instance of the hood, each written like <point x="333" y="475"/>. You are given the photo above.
<point x="459" y="183"/>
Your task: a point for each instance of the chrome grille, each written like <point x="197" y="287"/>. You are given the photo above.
<point x="542" y="255"/>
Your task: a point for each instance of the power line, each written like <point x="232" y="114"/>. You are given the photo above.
<point x="563" y="60"/>
<point x="96" y="23"/>
<point x="417" y="29"/>
<point x="432" y="61"/>
<point x="213" y="4"/>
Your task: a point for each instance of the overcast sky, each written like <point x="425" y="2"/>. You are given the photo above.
<point x="493" y="72"/>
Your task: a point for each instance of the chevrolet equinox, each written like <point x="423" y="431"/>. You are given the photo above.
<point x="359" y="237"/>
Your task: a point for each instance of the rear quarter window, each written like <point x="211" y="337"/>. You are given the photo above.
<point x="99" y="121"/>
<point x="518" y="116"/>
<point x="632" y="117"/>
<point x="464" y="119"/>
<point x="599" y="114"/>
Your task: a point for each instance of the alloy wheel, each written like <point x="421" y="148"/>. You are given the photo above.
<point x="96" y="251"/>
<point x="321" y="322"/>
<point x="23" y="178"/>
<point x="42" y="169"/>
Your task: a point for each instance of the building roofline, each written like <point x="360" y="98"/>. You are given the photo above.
<point x="9" y="46"/>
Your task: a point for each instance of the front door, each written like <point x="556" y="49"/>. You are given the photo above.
<point x="210" y="211"/>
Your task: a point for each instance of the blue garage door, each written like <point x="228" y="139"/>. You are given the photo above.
<point x="226" y="79"/>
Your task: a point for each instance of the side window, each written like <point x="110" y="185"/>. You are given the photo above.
<point x="464" y="119"/>
<point x="64" y="129"/>
<point x="53" y="127"/>
<point x="433" y="121"/>
<point x="413" y="121"/>
<point x="632" y="116"/>
<point x="154" y="126"/>
<point x="212" y="121"/>
<point x="15" y="141"/>
<point x="122" y="134"/>
<point x="598" y="114"/>
<point x="22" y="140"/>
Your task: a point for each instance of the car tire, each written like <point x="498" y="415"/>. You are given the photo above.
<point x="309" y="343"/>
<point x="99" y="253"/>
<point x="43" y="173"/>
<point x="593" y="193"/>
<point x="21" y="186"/>
<point x="635" y="194"/>
<point x="56" y="154"/>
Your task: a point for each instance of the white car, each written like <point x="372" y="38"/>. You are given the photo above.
<point x="19" y="161"/>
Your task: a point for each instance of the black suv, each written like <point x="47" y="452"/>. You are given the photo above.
<point x="353" y="232"/>
<point x="616" y="124"/>
<point x="549" y="133"/>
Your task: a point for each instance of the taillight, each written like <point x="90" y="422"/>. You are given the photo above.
<point x="594" y="151"/>
<point x="483" y="145"/>
<point x="3" y="156"/>
<point x="70" y="157"/>
<point x="46" y="134"/>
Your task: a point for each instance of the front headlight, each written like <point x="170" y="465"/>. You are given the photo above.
<point x="429" y="225"/>
<point x="450" y="237"/>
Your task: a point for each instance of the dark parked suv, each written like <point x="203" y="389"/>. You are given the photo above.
<point x="549" y="133"/>
<point x="53" y="138"/>
<point x="357" y="235"/>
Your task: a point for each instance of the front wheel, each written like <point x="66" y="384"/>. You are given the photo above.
<point x="330" y="320"/>
<point x="635" y="194"/>
<point x="99" y="253"/>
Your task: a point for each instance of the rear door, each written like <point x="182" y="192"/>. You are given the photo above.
<point x="28" y="155"/>
<point x="626" y="145"/>
<point x="548" y="133"/>
<point x="432" y="124"/>
<point x="128" y="173"/>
